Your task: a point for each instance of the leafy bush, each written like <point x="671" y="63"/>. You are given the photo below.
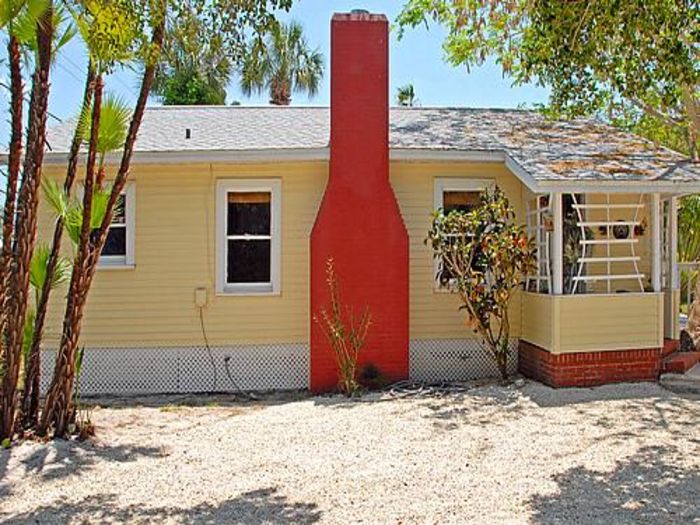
<point x="488" y="257"/>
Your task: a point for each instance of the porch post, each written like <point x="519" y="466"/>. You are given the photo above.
<point x="558" y="245"/>
<point x="673" y="273"/>
<point x="656" y="242"/>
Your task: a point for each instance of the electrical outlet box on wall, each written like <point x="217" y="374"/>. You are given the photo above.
<point x="200" y="297"/>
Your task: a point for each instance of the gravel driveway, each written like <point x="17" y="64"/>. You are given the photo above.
<point x="496" y="454"/>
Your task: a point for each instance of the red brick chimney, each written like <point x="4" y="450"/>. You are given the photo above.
<point x="359" y="223"/>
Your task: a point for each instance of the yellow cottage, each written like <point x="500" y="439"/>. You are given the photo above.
<point x="206" y="282"/>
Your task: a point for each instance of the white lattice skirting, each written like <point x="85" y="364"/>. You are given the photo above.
<point x="127" y="371"/>
<point x="455" y="360"/>
<point x="179" y="370"/>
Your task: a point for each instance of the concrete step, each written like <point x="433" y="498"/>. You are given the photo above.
<point x="679" y="362"/>
<point x="688" y="383"/>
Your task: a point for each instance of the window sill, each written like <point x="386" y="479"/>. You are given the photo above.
<point x="259" y="290"/>
<point x="115" y="266"/>
<point x="444" y="291"/>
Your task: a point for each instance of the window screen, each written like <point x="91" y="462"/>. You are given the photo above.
<point x="115" y="245"/>
<point x="464" y="201"/>
<point x="248" y="237"/>
<point x="456" y="200"/>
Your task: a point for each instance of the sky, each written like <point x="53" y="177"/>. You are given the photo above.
<point x="418" y="59"/>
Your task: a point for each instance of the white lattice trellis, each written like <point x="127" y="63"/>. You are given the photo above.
<point x="178" y="370"/>
<point x="455" y="360"/>
<point x="124" y="371"/>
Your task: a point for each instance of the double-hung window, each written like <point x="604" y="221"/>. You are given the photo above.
<point x="118" y="251"/>
<point x="461" y="195"/>
<point x="248" y="236"/>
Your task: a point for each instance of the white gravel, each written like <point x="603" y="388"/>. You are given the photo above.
<point x="497" y="454"/>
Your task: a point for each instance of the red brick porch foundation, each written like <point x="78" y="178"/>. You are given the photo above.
<point x="583" y="369"/>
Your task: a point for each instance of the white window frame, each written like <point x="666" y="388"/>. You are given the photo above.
<point x="441" y="185"/>
<point x="223" y="188"/>
<point x="128" y="261"/>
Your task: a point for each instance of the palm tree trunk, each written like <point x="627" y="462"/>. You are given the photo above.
<point x="10" y="360"/>
<point x="57" y="409"/>
<point x="13" y="164"/>
<point x="30" y="401"/>
<point x="17" y="283"/>
<point x="59" y="396"/>
<point x="279" y="93"/>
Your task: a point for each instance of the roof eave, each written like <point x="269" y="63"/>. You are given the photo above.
<point x="620" y="186"/>
<point x="401" y="154"/>
<point x="197" y="156"/>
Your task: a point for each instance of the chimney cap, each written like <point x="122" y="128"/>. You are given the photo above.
<point x="362" y="15"/>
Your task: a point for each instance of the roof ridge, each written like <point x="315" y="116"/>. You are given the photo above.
<point x="281" y="108"/>
<point x="223" y="106"/>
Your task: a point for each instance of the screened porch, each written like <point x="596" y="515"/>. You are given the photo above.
<point x="606" y="273"/>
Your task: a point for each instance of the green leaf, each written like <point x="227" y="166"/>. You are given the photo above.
<point x="56" y="197"/>
<point x="39" y="265"/>
<point x="28" y="334"/>
<point x="115" y="115"/>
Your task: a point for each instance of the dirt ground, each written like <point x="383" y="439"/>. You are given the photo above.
<point x="494" y="454"/>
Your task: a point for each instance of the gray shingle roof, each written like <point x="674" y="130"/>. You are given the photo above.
<point x="581" y="149"/>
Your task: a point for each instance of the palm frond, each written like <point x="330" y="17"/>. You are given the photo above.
<point x="114" y="124"/>
<point x="310" y="72"/>
<point x="39" y="265"/>
<point x="25" y="26"/>
<point x="23" y="21"/>
<point x="28" y="331"/>
<point x="73" y="218"/>
<point x="100" y="199"/>
<point x="56" y="197"/>
<point x="282" y="63"/>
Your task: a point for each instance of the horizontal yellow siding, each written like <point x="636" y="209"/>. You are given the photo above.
<point x="436" y="315"/>
<point x="153" y="304"/>
<point x="593" y="323"/>
<point x="610" y="322"/>
<point x="538" y="319"/>
<point x="672" y="305"/>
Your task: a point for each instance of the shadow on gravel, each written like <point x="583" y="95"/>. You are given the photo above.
<point x="645" y="488"/>
<point x="60" y="459"/>
<point x="255" y="507"/>
<point x="4" y="460"/>
<point x="545" y="396"/>
<point x="482" y="406"/>
<point x="198" y="400"/>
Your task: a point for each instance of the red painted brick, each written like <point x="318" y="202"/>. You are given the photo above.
<point x="588" y="368"/>
<point x="359" y="224"/>
<point x="680" y="363"/>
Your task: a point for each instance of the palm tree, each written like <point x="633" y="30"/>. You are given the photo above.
<point x="406" y="96"/>
<point x="282" y="63"/>
<point x="48" y="268"/>
<point x="195" y="66"/>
